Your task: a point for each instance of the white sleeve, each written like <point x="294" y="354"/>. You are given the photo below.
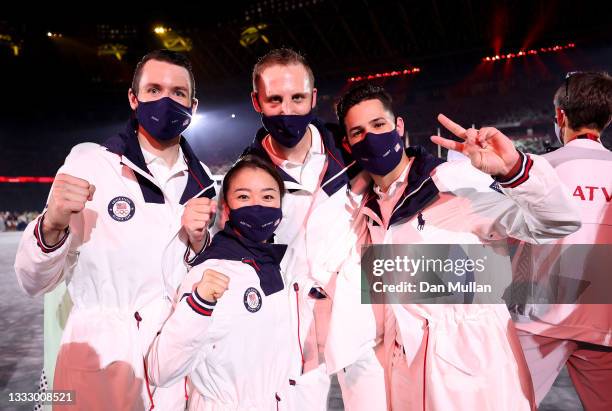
<point x="40" y="267"/>
<point x="178" y="347"/>
<point x="544" y="210"/>
<point x="531" y="206"/>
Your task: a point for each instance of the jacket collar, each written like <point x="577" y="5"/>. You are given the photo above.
<point x="338" y="162"/>
<point x="419" y="191"/>
<point x="125" y="145"/>
<point x="264" y="258"/>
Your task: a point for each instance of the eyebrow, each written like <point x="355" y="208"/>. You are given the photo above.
<point x="159" y="86"/>
<point x="370" y="122"/>
<point x="146" y="86"/>
<point x="249" y="190"/>
<point x="278" y="96"/>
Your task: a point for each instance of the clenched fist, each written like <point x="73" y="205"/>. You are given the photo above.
<point x="197" y="215"/>
<point x="68" y="196"/>
<point x="212" y="285"/>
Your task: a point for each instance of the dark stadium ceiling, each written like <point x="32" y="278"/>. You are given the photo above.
<point x="338" y="36"/>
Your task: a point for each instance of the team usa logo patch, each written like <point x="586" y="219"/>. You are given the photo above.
<point x="121" y="208"/>
<point x="252" y="300"/>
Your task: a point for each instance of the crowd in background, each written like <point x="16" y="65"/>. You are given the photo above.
<point x="16" y="221"/>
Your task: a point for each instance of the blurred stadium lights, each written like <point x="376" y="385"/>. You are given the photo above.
<point x="197" y="118"/>
<point x="161" y="30"/>
<point x="395" y="73"/>
<point x="253" y="33"/>
<point x="25" y="179"/>
<point x="530" y="52"/>
<point x="117" y="50"/>
<point x="173" y="41"/>
<point x="260" y="8"/>
<point x="7" y="40"/>
<point x="52" y="35"/>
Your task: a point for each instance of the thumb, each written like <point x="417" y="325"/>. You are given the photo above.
<point x="92" y="190"/>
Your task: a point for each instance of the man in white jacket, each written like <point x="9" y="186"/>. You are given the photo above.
<point x="451" y="356"/>
<point x="578" y="335"/>
<point x="320" y="203"/>
<point x="121" y="223"/>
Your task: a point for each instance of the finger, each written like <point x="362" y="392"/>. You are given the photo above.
<point x="220" y="289"/>
<point x="92" y="190"/>
<point x="74" y="189"/>
<point x="216" y="281"/>
<point x="200" y="210"/>
<point x="221" y="277"/>
<point x="198" y="229"/>
<point x="74" y="180"/>
<point x="216" y="284"/>
<point x="449" y="144"/>
<point x="471" y="136"/>
<point x="216" y="274"/>
<point x="76" y="197"/>
<point x="451" y="126"/>
<point x="197" y="218"/>
<point x="74" y="206"/>
<point x="488" y="133"/>
<point x="200" y="201"/>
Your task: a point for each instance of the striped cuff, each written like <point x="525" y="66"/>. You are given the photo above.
<point x="200" y="305"/>
<point x="188" y="252"/>
<point x="40" y="241"/>
<point x="520" y="176"/>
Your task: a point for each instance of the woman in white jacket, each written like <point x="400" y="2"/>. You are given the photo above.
<point x="230" y="333"/>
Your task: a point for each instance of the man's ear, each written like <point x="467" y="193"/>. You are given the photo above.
<point x="255" y="101"/>
<point x="194" y="105"/>
<point x="560" y="117"/>
<point x="314" y="98"/>
<point x="399" y="125"/>
<point x="132" y="99"/>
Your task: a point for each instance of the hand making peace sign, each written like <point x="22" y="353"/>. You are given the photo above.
<point x="489" y="149"/>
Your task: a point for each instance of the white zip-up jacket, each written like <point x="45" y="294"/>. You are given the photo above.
<point x="122" y="259"/>
<point x="318" y="227"/>
<point x="237" y="352"/>
<point x="473" y="359"/>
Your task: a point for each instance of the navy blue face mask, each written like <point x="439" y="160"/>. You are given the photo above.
<point x="287" y="130"/>
<point x="379" y="153"/>
<point x="257" y="223"/>
<point x="163" y="119"/>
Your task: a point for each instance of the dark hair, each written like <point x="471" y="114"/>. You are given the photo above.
<point x="586" y="99"/>
<point x="252" y="161"/>
<point x="281" y="57"/>
<point x="167" y="56"/>
<point x="362" y="92"/>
